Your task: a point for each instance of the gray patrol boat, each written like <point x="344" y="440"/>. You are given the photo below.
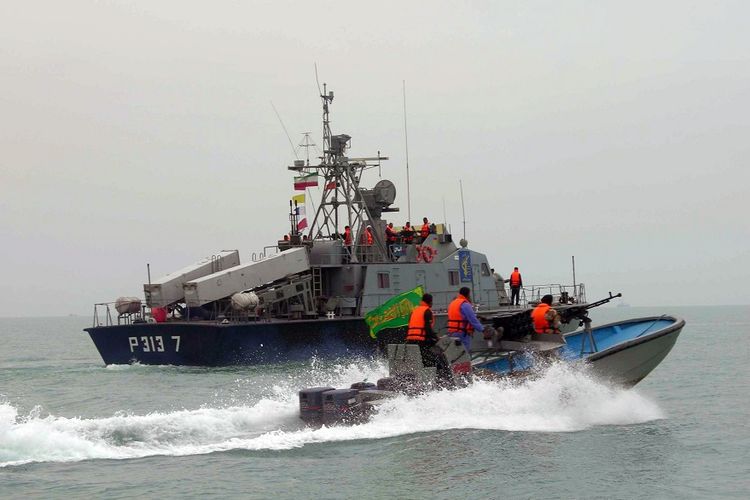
<point x="307" y="294"/>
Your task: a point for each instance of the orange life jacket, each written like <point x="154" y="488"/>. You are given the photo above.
<point x="408" y="234"/>
<point x="515" y="278"/>
<point x="368" y="236"/>
<point x="416" y="329"/>
<point x="541" y="325"/>
<point x="425" y="230"/>
<point x="348" y="237"/>
<point x="456" y="321"/>
<point x="390" y="235"/>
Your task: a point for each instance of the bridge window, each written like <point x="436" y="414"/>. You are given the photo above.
<point x="384" y="280"/>
<point x="485" y="269"/>
<point x="453" y="278"/>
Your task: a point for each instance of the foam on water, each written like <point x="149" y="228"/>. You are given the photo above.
<point x="560" y="400"/>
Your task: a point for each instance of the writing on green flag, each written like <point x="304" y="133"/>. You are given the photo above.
<point x="395" y="312"/>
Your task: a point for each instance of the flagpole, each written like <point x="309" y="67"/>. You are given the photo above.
<point x="463" y="208"/>
<point x="311" y="204"/>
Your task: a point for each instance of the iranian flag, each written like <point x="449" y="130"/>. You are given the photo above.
<point x="305" y="181"/>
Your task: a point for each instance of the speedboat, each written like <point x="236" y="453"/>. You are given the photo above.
<point x="621" y="353"/>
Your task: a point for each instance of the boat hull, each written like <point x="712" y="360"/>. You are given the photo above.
<point x="625" y="352"/>
<point x="204" y="343"/>
<point x="629" y="363"/>
<point x="216" y="344"/>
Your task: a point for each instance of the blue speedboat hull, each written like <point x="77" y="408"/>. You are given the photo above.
<point x="622" y="353"/>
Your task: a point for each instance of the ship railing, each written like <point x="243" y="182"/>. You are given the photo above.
<point x="561" y="294"/>
<point x="103" y="315"/>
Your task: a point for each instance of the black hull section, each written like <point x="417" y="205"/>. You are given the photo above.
<point x="215" y="344"/>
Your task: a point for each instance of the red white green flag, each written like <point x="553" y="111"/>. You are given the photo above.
<point x="305" y="181"/>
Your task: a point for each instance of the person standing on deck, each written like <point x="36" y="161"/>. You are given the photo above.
<point x="425" y="231"/>
<point x="462" y="322"/>
<point x="515" y="286"/>
<point x="347" y="244"/>
<point x="407" y="234"/>
<point x="390" y="239"/>
<point x="367" y="242"/>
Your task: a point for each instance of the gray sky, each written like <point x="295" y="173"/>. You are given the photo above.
<point x="143" y="132"/>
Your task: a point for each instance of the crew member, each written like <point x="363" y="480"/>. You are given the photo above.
<point x="407" y="234"/>
<point x="425" y="231"/>
<point x="421" y="332"/>
<point x="515" y="286"/>
<point x="347" y="244"/>
<point x="545" y="318"/>
<point x="367" y="241"/>
<point x="390" y="239"/>
<point x="462" y="322"/>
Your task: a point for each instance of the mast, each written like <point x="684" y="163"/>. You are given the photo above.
<point x="343" y="202"/>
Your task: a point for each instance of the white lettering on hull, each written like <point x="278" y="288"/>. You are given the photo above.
<point x="152" y="343"/>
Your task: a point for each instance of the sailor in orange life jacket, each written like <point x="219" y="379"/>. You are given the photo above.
<point x="390" y="238"/>
<point x="515" y="286"/>
<point x="421" y="332"/>
<point x="462" y="322"/>
<point x="347" y="244"/>
<point x="425" y="231"/>
<point x="367" y="241"/>
<point x="545" y="318"/>
<point x="407" y="234"/>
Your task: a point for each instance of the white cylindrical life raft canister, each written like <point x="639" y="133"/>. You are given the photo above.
<point x="242" y="301"/>
<point x="127" y="305"/>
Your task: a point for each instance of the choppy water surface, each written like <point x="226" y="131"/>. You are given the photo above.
<point x="71" y="426"/>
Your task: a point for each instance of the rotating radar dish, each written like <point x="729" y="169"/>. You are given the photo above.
<point x="385" y="192"/>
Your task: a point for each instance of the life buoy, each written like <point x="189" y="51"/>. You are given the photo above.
<point x="419" y="254"/>
<point x="428" y="253"/>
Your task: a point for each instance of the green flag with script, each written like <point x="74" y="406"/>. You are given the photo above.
<point x="395" y="312"/>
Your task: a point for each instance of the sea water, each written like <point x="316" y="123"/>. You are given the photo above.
<point x="72" y="427"/>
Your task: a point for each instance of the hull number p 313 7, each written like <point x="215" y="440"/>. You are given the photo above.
<point x="152" y="343"/>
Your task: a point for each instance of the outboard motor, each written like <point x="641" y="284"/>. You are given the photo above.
<point x="363" y="386"/>
<point x="311" y="404"/>
<point x="341" y="405"/>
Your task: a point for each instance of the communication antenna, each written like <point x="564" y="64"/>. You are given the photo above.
<point x="320" y="92"/>
<point x="573" y="258"/>
<point x="291" y="144"/>
<point x="445" y="217"/>
<point x="307" y="144"/>
<point x="406" y="141"/>
<point x="463" y="209"/>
